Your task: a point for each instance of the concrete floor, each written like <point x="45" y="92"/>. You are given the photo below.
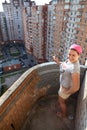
<point x="43" y="116"/>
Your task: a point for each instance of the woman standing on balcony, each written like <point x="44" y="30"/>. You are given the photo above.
<point x="69" y="77"/>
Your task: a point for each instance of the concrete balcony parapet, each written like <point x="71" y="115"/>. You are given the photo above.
<point x="19" y="99"/>
<point x="41" y="80"/>
<point x="81" y="110"/>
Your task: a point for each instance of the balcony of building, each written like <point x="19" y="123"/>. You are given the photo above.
<point x="82" y="2"/>
<point x="79" y="16"/>
<point x="81" y="10"/>
<point x="67" y="3"/>
<point x="66" y="10"/>
<point x="29" y="104"/>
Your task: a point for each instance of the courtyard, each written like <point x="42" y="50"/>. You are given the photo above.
<point x="15" y="54"/>
<point x="14" y="60"/>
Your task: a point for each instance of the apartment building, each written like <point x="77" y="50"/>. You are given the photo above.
<point x="3" y="27"/>
<point x="1" y="37"/>
<point x="39" y="27"/>
<point x="48" y="29"/>
<point x="56" y="33"/>
<point x="81" y="35"/>
<point x="58" y="29"/>
<point x="35" y="29"/>
<point x="50" y="34"/>
<point x="73" y="27"/>
<point x="14" y="20"/>
<point x="71" y="24"/>
<point x="63" y="22"/>
<point x="27" y="26"/>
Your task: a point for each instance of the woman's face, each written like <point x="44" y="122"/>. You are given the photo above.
<point x="73" y="56"/>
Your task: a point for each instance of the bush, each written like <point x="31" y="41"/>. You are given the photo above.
<point x="3" y="89"/>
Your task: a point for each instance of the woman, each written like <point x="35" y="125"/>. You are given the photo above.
<point x="69" y="77"/>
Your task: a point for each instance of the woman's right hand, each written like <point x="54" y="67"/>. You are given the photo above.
<point x="56" y="60"/>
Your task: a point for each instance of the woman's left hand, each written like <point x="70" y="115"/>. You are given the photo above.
<point x="66" y="90"/>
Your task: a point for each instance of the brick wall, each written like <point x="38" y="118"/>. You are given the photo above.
<point x="41" y="80"/>
<point x="17" y="102"/>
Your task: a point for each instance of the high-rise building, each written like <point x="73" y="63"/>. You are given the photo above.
<point x="35" y="28"/>
<point x="14" y="20"/>
<point x="50" y="32"/>
<point x="3" y="27"/>
<point x="81" y="29"/>
<point x="1" y="37"/>
<point x="48" y="29"/>
<point x="58" y="29"/>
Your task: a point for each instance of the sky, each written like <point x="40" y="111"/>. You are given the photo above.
<point x="38" y="2"/>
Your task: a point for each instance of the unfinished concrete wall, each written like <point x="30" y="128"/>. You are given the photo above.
<point x="41" y="80"/>
<point x="81" y="112"/>
<point x="17" y="102"/>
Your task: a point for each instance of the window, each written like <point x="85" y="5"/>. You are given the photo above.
<point x="18" y="26"/>
<point x="17" y="13"/>
<point x="85" y="14"/>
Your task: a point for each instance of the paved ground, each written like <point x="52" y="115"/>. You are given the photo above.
<point x="11" y="79"/>
<point x="43" y="116"/>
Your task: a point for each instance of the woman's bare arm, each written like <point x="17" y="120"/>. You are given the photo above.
<point x="56" y="60"/>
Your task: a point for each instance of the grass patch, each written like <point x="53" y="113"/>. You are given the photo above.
<point x="1" y="57"/>
<point x="2" y="80"/>
<point x="15" y="54"/>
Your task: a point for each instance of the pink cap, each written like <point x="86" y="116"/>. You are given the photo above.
<point x="76" y="47"/>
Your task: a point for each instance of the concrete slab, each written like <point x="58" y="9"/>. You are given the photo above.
<point x="43" y="116"/>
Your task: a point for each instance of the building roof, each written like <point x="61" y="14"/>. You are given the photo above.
<point x="11" y="62"/>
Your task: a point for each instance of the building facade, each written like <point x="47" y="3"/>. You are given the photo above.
<point x="3" y="27"/>
<point x="14" y="20"/>
<point x="48" y="29"/>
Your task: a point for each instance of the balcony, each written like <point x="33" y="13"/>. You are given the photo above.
<point x="79" y="16"/>
<point x="67" y="3"/>
<point x="29" y="104"/>
<point x="80" y="10"/>
<point x="66" y="10"/>
<point x="82" y="2"/>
